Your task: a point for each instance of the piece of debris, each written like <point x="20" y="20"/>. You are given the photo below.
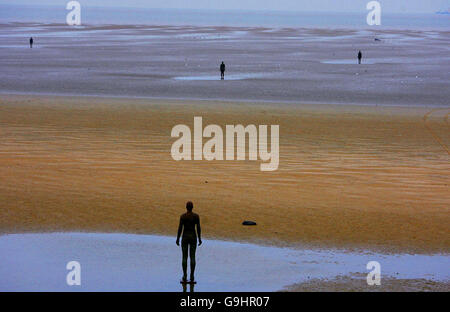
<point x="248" y="223"/>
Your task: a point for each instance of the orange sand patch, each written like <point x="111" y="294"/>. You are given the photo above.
<point x="349" y="176"/>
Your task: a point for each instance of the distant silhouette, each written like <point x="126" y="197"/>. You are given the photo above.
<point x="31" y="42"/>
<point x="188" y="222"/>
<point x="222" y="70"/>
<point x="359" y="57"/>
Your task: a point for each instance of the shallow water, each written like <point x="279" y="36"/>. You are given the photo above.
<point x="217" y="77"/>
<point x="348" y="62"/>
<point x="128" y="262"/>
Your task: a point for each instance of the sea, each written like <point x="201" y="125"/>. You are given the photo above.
<point x="144" y="16"/>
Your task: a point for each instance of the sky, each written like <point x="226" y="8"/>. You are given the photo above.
<point x="388" y="6"/>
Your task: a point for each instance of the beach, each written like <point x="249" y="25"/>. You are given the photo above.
<point x="349" y="176"/>
<point x="297" y="65"/>
<point x="85" y="126"/>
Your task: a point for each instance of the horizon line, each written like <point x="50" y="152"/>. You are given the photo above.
<point x="224" y="10"/>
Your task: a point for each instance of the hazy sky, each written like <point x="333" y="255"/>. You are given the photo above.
<point x="388" y="6"/>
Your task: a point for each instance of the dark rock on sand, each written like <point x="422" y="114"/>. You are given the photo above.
<point x="248" y="223"/>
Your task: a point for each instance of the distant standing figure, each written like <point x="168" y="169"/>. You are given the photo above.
<point x="189" y="222"/>
<point x="31" y="42"/>
<point x="359" y="57"/>
<point x="222" y="71"/>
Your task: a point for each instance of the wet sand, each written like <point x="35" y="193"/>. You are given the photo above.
<point x="350" y="176"/>
<point x="406" y="67"/>
<point x="358" y="283"/>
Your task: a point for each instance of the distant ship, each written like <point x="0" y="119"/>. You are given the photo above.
<point x="447" y="12"/>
